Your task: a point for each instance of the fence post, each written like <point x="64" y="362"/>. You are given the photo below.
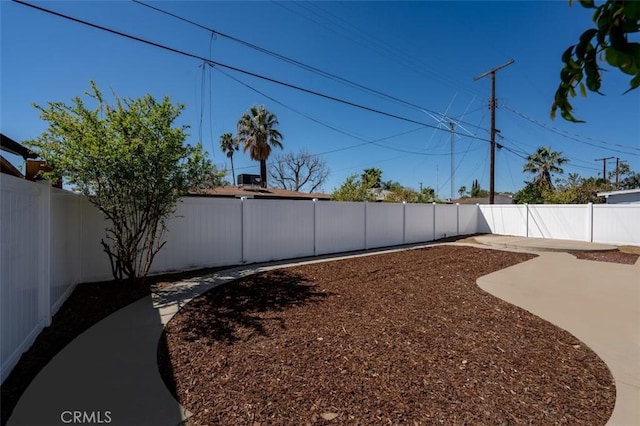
<point x="44" y="287"/>
<point x="457" y="219"/>
<point x="242" y="233"/>
<point x="434" y="220"/>
<point x="590" y="222"/>
<point x="315" y="226"/>
<point x="526" y="220"/>
<point x="366" y="243"/>
<point x="404" y="222"/>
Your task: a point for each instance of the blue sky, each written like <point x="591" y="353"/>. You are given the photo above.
<point x="423" y="53"/>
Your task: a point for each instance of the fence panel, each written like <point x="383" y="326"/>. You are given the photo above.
<point x="20" y="267"/>
<point x="384" y="223"/>
<point x="66" y="261"/>
<point x="419" y="223"/>
<point x="95" y="263"/>
<point x="467" y="219"/>
<point x="446" y="220"/>
<point x="616" y="224"/>
<point x="277" y="229"/>
<point x="204" y="232"/>
<point x="565" y="222"/>
<point x="503" y="219"/>
<point x="339" y="227"/>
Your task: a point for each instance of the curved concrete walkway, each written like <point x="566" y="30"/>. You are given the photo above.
<point x="597" y="302"/>
<point x="540" y="244"/>
<point x="109" y="373"/>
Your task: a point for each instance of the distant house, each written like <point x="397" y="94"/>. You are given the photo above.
<point x="33" y="166"/>
<point x="9" y="145"/>
<point x="626" y="196"/>
<point x="497" y="199"/>
<point x="257" y="192"/>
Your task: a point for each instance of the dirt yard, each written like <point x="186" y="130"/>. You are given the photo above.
<point x="401" y="338"/>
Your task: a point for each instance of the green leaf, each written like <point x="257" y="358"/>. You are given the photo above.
<point x="593" y="76"/>
<point x="565" y="75"/>
<point x="635" y="83"/>
<point x="588" y="35"/>
<point x="632" y="10"/>
<point x="585" y="42"/>
<point x="569" y="117"/>
<point x="588" y="4"/>
<point x="612" y="56"/>
<point x="605" y="19"/>
<point x="566" y="56"/>
<point x="583" y="90"/>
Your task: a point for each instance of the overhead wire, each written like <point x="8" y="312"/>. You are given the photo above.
<point x="229" y="67"/>
<point x="375" y="142"/>
<point x="297" y="63"/>
<point x="378" y="46"/>
<point x="575" y="137"/>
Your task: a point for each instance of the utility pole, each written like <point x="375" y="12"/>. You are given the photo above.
<point x="437" y="181"/>
<point x="453" y="171"/>
<point x="604" y="166"/>
<point x="618" y="162"/>
<point x="492" y="105"/>
<point x="420" y="187"/>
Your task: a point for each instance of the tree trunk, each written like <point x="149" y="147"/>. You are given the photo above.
<point x="233" y="173"/>
<point x="263" y="173"/>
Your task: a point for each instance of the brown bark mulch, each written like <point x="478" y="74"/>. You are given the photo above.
<point x="399" y="338"/>
<point x="612" y="256"/>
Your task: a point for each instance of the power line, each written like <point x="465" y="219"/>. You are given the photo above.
<point x="324" y="124"/>
<point x="242" y="71"/>
<point x="297" y="63"/>
<point x="353" y="33"/>
<point x="575" y="137"/>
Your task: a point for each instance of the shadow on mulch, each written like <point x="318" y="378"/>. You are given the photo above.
<point x="233" y="313"/>
<point x="88" y="304"/>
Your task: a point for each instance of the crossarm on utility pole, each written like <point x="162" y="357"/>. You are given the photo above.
<point x="492" y="166"/>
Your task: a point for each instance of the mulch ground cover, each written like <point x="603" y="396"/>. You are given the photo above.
<point x="613" y="256"/>
<point x="400" y="338"/>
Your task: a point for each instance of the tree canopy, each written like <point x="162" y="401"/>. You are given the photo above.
<point x="130" y="162"/>
<point x="608" y="41"/>
<point x="257" y="133"/>
<point x="299" y="172"/>
<point x="542" y="164"/>
<point x="369" y="187"/>
<point x="229" y="145"/>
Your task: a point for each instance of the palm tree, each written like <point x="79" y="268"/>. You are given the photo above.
<point x="542" y="164"/>
<point x="229" y="145"/>
<point x="257" y="133"/>
<point x="462" y="190"/>
<point x="373" y="177"/>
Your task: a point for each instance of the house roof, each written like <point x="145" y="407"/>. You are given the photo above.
<point x="498" y="199"/>
<point x="14" y="147"/>
<point x="621" y="192"/>
<point x="257" y="192"/>
<point x="7" y="168"/>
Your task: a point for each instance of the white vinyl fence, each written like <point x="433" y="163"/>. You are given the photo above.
<point x="600" y="223"/>
<point x="50" y="239"/>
